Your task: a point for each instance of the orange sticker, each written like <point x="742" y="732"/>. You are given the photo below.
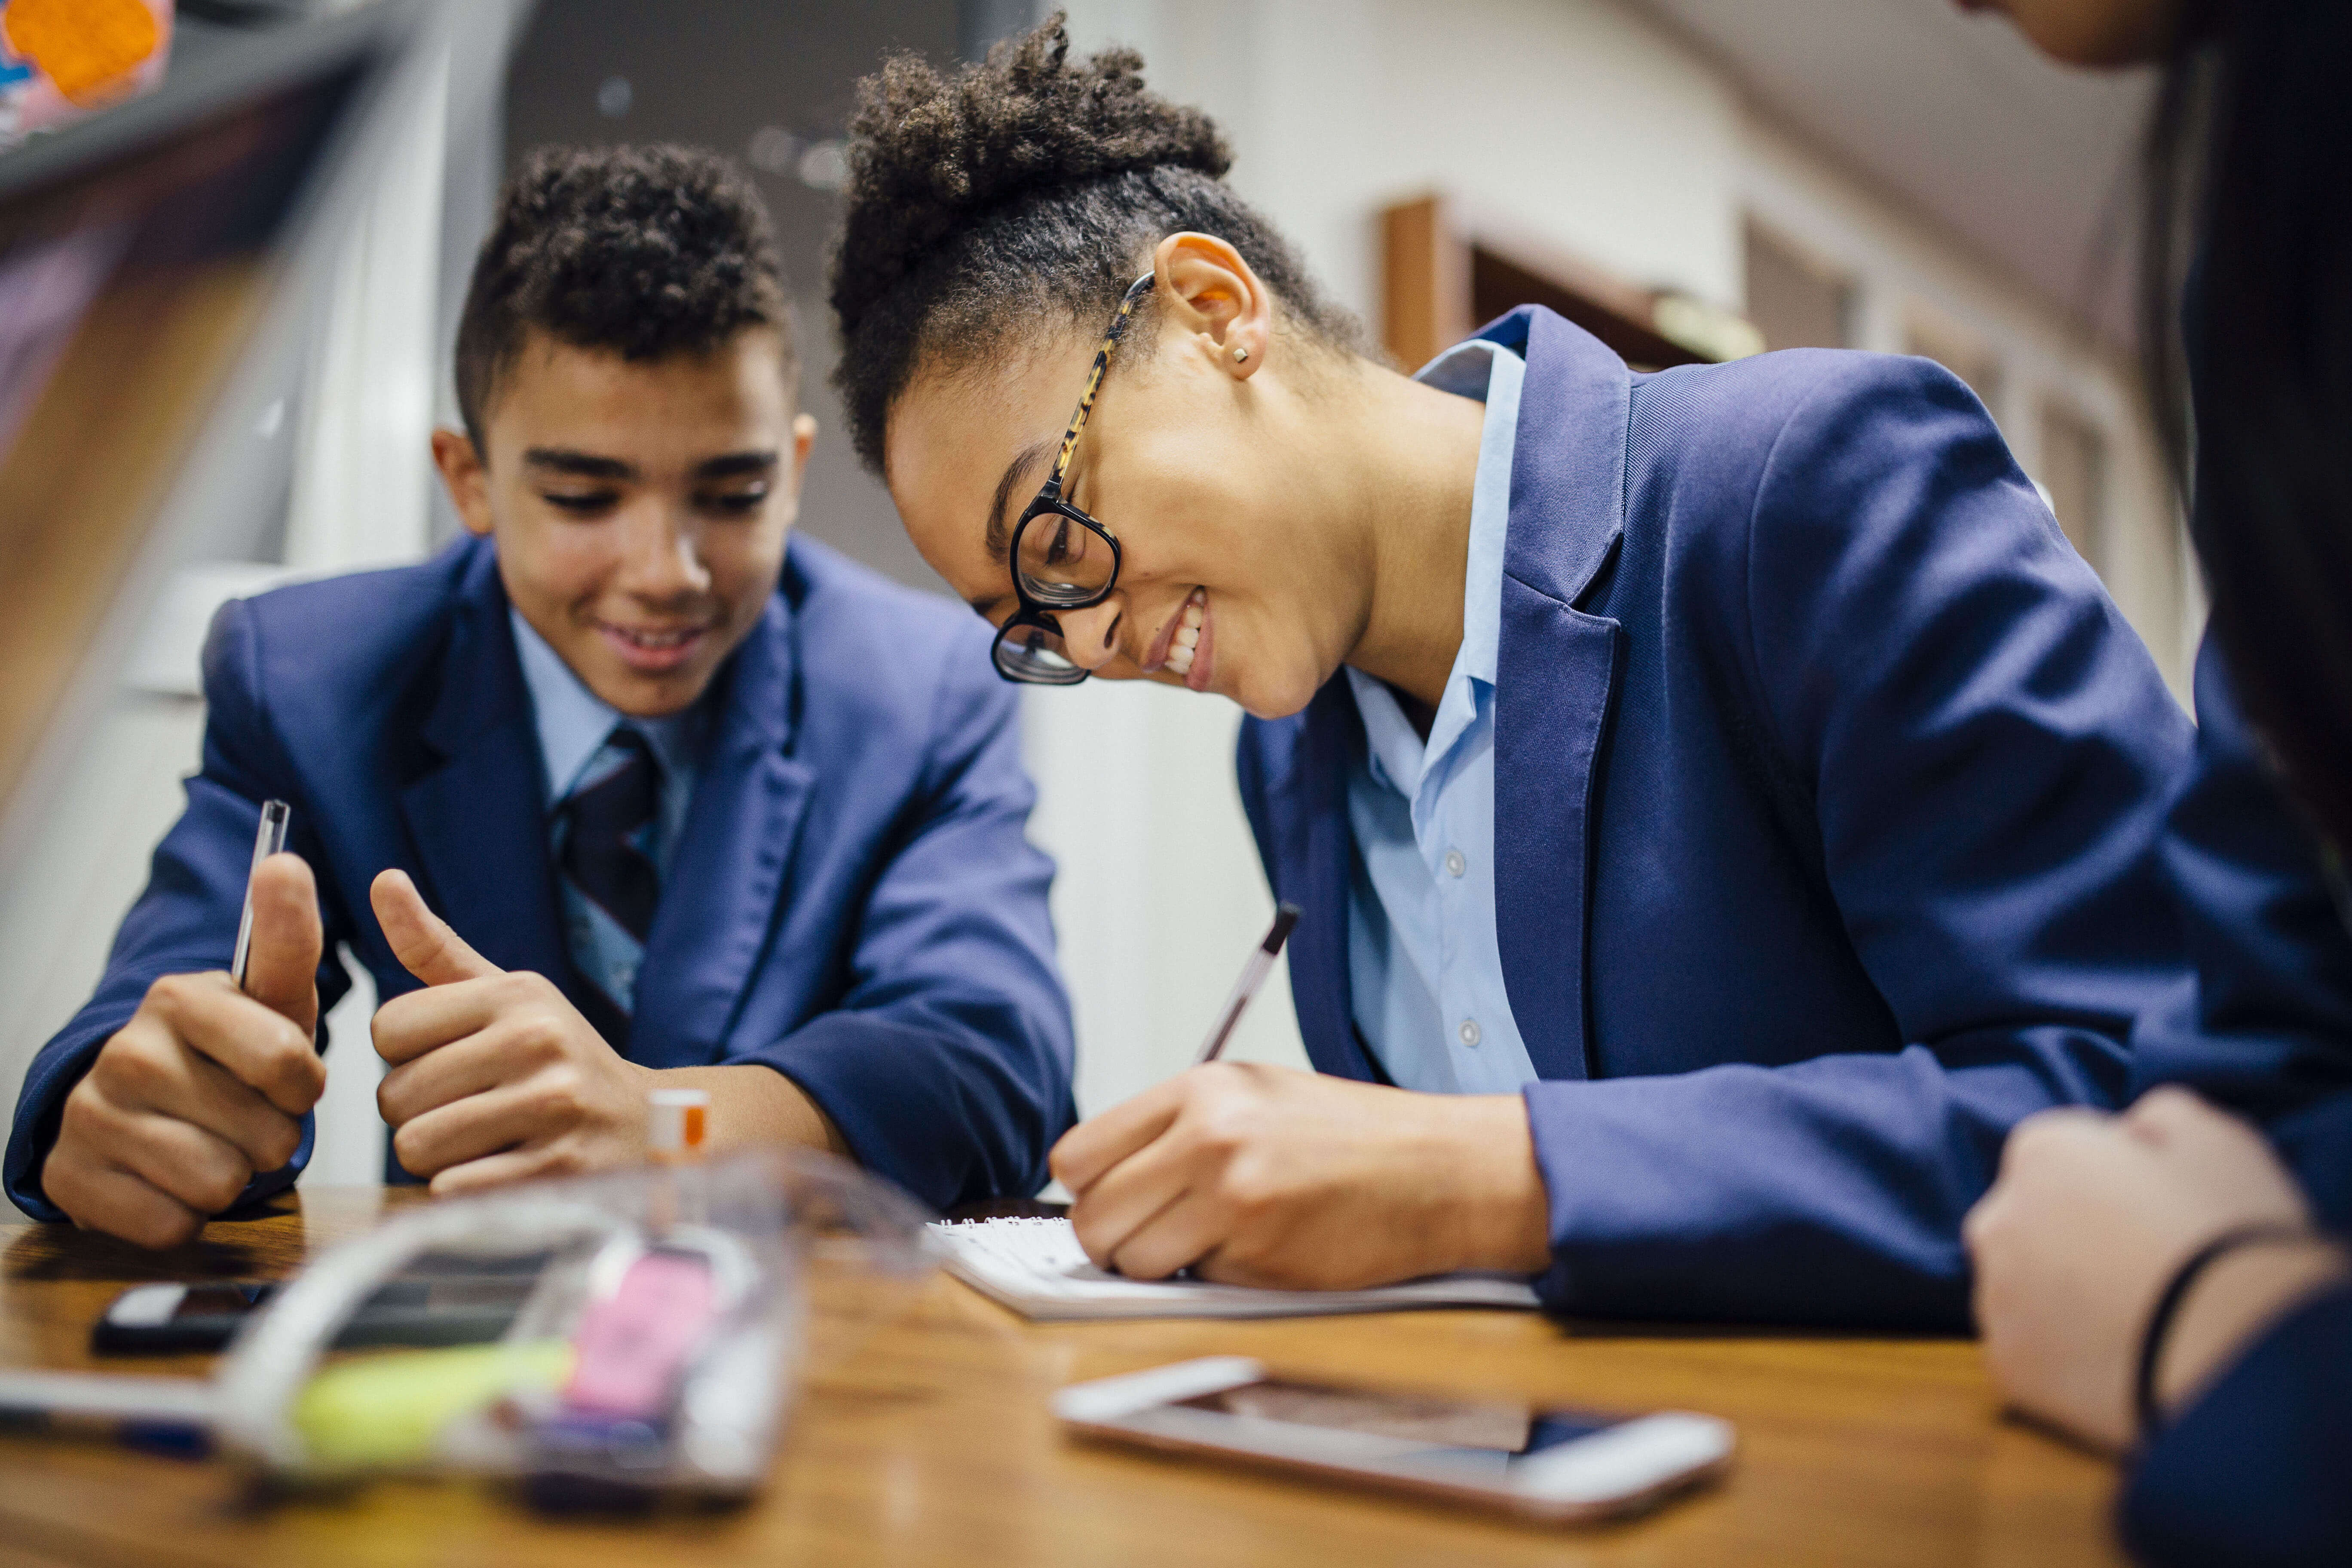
<point x="694" y="1126"/>
<point x="83" y="46"/>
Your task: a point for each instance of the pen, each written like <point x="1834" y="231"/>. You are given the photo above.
<point x="269" y="841"/>
<point x="1261" y="958"/>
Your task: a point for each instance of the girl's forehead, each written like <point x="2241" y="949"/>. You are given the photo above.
<point x="956" y="431"/>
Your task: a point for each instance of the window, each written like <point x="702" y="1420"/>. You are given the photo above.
<point x="1956" y="350"/>
<point x="1795" y="303"/>
<point x="2075" y="475"/>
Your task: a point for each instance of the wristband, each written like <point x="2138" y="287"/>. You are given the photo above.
<point x="2167" y="1307"/>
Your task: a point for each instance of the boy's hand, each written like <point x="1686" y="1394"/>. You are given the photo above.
<point x="205" y="1087"/>
<point x="495" y="1077"/>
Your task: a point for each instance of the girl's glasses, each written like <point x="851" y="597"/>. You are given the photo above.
<point x="1061" y="558"/>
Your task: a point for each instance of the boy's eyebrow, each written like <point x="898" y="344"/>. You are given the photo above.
<point x="735" y="465"/>
<point x="579" y="465"/>
<point x="1000" y="531"/>
<point x="589" y="466"/>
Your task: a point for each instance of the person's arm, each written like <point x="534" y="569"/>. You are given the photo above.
<point x="2098" y="1219"/>
<point x="186" y="920"/>
<point x="2267" y="1027"/>
<point x="1984" y="748"/>
<point x="947" y="1067"/>
<point x="2253" y="1470"/>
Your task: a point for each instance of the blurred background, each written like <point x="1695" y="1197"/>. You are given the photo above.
<point x="1690" y="179"/>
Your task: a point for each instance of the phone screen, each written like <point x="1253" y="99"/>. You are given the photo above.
<point x="220" y="1300"/>
<point x="1487" y="1435"/>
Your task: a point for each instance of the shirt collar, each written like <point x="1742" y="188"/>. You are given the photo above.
<point x="573" y="722"/>
<point x="1493" y="374"/>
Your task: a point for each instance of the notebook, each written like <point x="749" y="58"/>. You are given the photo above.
<point x="1036" y="1268"/>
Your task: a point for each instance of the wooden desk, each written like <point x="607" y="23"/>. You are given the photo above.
<point x="930" y="1442"/>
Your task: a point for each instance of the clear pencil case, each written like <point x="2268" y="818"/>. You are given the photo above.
<point x="654" y="1353"/>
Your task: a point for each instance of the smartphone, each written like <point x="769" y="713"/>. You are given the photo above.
<point x="1556" y="1466"/>
<point x="435" y="1300"/>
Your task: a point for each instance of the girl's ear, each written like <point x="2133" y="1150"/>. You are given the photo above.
<point x="1209" y="292"/>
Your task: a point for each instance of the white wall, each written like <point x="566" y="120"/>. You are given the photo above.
<point x="1588" y="125"/>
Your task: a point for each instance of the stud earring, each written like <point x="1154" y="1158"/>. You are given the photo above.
<point x="1241" y="354"/>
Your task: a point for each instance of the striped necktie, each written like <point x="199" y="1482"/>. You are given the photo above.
<point x="608" y="825"/>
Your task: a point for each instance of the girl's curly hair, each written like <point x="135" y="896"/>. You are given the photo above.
<point x="1025" y="192"/>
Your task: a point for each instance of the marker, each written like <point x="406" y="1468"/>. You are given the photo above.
<point x="1254" y="973"/>
<point x="162" y="1414"/>
<point x="269" y="841"/>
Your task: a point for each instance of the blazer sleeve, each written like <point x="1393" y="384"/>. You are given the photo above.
<point x="1976" y="749"/>
<point x="186" y="920"/>
<point x="947" y="1067"/>
<point x="2253" y="1472"/>
<point x="2266" y="1028"/>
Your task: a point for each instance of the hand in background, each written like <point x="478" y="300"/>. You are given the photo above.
<point x="495" y="1077"/>
<point x="2090" y="1217"/>
<point x="1264" y="1175"/>
<point x="206" y="1085"/>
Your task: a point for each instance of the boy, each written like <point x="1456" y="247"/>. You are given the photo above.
<point x="695" y="801"/>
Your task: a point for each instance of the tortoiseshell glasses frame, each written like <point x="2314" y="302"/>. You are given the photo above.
<point x="1061" y="568"/>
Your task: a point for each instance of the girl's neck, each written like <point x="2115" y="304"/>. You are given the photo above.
<point x="1414" y="451"/>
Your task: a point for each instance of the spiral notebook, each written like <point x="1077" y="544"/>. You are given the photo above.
<point x="1036" y="1268"/>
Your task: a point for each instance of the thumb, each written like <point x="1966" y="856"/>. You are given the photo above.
<point x="281" y="966"/>
<point x="421" y="940"/>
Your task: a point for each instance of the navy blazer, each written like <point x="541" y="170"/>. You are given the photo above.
<point x="852" y="901"/>
<point x="1827" y="780"/>
<point x="2265" y="1025"/>
<point x="2253" y="1472"/>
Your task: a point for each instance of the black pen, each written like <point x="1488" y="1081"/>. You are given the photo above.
<point x="1254" y="973"/>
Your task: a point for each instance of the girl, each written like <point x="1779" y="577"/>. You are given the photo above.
<point x="1720" y="800"/>
<point x="2172" y="1279"/>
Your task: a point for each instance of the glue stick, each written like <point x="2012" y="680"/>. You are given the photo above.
<point x="679" y="1121"/>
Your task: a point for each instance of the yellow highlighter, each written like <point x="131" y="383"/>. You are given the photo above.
<point x="393" y="1408"/>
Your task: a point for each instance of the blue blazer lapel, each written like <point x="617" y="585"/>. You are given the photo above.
<point x="477" y="822"/>
<point x="1313" y="796"/>
<point x="718" y="913"/>
<point x="1557" y="675"/>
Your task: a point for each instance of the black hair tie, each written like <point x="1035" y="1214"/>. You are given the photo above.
<point x="2167" y="1307"/>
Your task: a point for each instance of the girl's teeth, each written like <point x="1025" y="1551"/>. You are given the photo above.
<point x="1192" y="615"/>
<point x="1188" y="637"/>
<point x="1180" y="658"/>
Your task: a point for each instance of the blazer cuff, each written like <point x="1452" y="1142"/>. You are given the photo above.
<point x="2254" y="1471"/>
<point x="41" y="1105"/>
<point x="1651" y="1217"/>
<point x="937" y="1114"/>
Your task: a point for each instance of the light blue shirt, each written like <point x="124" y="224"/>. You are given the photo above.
<point x="574" y="724"/>
<point x="1422" y="961"/>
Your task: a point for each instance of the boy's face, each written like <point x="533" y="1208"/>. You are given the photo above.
<point x="640" y="510"/>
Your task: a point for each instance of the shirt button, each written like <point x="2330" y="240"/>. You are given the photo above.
<point x="1469" y="1031"/>
<point x="1455" y="863"/>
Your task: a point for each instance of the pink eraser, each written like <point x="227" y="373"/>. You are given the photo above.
<point x="631" y="1346"/>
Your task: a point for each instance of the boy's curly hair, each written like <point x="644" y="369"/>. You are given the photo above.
<point x="1027" y="192"/>
<point x="647" y="251"/>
